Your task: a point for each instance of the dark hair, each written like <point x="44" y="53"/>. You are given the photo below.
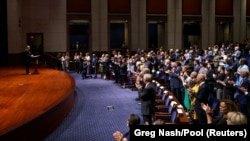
<point x="222" y="68"/>
<point x="243" y="60"/>
<point x="134" y="119"/>
<point x="231" y="105"/>
<point x="230" y="72"/>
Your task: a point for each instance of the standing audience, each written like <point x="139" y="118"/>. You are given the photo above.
<point x="147" y="96"/>
<point x="224" y="76"/>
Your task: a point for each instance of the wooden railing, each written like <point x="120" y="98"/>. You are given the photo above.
<point x="182" y="116"/>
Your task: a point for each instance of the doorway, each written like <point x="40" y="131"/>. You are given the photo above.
<point x="156" y="34"/>
<point x="119" y="35"/>
<point x="191" y="34"/>
<point x="223" y="31"/>
<point x="35" y="40"/>
<point x="79" y="35"/>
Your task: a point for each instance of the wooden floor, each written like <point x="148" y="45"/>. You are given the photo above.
<point x="31" y="106"/>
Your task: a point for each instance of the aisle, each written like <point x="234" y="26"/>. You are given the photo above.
<point x="101" y="107"/>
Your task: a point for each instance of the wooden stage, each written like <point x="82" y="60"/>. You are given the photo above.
<point x="32" y="106"/>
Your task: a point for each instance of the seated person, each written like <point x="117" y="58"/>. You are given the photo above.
<point x="226" y="106"/>
<point x="133" y="119"/>
<point x="236" y="118"/>
<point x="158" y="122"/>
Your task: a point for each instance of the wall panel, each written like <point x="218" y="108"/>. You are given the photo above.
<point x="119" y="6"/>
<point x="79" y="6"/>
<point x="224" y="7"/>
<point x="159" y="7"/>
<point x="248" y="8"/>
<point x="191" y="7"/>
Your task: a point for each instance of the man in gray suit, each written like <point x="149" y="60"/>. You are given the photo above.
<point x="147" y="95"/>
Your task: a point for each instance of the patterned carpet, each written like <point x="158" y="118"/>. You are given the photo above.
<point x="101" y="107"/>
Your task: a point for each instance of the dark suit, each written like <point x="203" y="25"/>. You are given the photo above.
<point x="95" y="65"/>
<point x="176" y="86"/>
<point x="149" y="64"/>
<point x="27" y="61"/>
<point x="107" y="65"/>
<point x="197" y="68"/>
<point x="241" y="98"/>
<point x="84" y="70"/>
<point x="123" y="73"/>
<point x="201" y="97"/>
<point x="248" y="105"/>
<point x="147" y="96"/>
<point x="210" y="81"/>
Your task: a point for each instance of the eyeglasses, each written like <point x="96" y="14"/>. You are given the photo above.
<point x="223" y="106"/>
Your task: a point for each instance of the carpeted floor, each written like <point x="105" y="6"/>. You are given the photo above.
<point x="101" y="108"/>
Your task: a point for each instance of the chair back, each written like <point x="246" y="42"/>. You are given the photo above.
<point x="174" y="116"/>
<point x="172" y="106"/>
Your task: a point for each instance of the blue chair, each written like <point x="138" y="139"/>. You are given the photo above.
<point x="169" y="118"/>
<point x="165" y="109"/>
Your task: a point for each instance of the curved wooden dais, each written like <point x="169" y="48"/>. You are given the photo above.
<point x="32" y="106"/>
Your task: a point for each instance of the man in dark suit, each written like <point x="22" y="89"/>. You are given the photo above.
<point x="176" y="85"/>
<point x="28" y="56"/>
<point x="94" y="64"/>
<point x="201" y="97"/>
<point x="147" y="95"/>
<point x="241" y="95"/>
<point x="107" y="66"/>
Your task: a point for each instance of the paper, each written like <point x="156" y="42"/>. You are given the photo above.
<point x="35" y="56"/>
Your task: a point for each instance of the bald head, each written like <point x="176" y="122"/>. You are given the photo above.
<point x="147" y="77"/>
<point x="193" y="74"/>
<point x="200" y="78"/>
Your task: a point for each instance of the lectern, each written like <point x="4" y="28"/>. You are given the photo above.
<point x="35" y="57"/>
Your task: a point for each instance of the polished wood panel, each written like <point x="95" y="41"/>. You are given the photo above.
<point x="79" y="6"/>
<point x="159" y="7"/>
<point x="31" y="106"/>
<point x="191" y="7"/>
<point x="224" y="7"/>
<point x="119" y="6"/>
<point x="248" y="8"/>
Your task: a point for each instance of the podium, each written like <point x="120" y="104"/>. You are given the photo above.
<point x="35" y="57"/>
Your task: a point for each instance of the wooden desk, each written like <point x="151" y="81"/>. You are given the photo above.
<point x="36" y="64"/>
<point x="183" y="119"/>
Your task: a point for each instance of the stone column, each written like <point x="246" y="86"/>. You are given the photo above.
<point x="103" y="23"/>
<point x="15" y="27"/>
<point x="178" y="25"/>
<point x="239" y="24"/>
<point x="138" y="25"/>
<point x="99" y="25"/>
<point x="205" y="24"/>
<point x="208" y="28"/>
<point x="171" y="25"/>
<point x="95" y="25"/>
<point x="211" y="24"/>
<point x="135" y="7"/>
<point x="175" y="25"/>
